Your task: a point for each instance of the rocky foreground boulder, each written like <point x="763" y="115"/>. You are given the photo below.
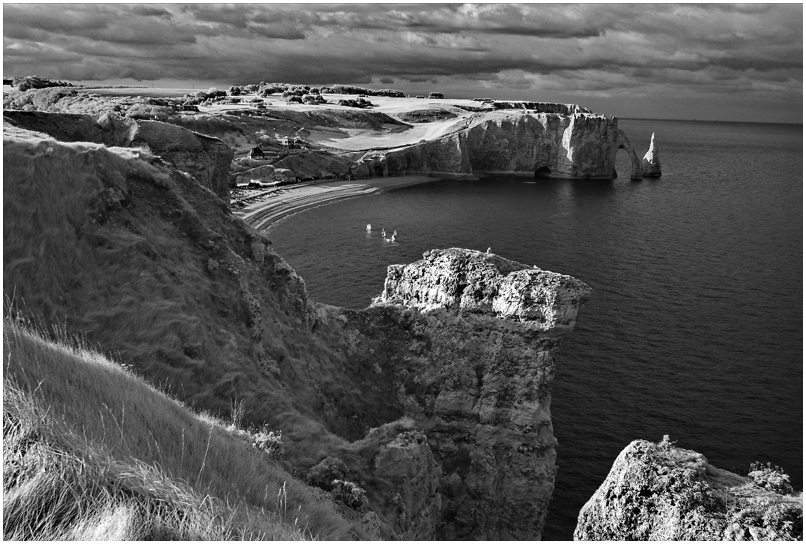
<point x="663" y="492"/>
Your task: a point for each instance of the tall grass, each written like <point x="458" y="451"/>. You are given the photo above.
<point x="92" y="452"/>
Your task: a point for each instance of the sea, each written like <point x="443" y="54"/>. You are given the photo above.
<point x="695" y="325"/>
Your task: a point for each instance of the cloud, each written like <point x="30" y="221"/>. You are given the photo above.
<point x="625" y="50"/>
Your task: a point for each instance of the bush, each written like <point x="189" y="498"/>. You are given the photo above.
<point x="271" y="88"/>
<point x="357" y="103"/>
<point x="349" y="493"/>
<point x="772" y="478"/>
<point x="349" y="89"/>
<point x="270" y="442"/>
<point x="327" y="471"/>
<point x="436" y="95"/>
<point x="149" y="111"/>
<point x="313" y="99"/>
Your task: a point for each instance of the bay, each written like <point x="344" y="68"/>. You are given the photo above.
<point x="695" y="325"/>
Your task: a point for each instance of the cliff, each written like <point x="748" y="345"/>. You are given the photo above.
<point x="663" y="492"/>
<point x="206" y="158"/>
<point x="441" y="136"/>
<point x="440" y="411"/>
<point x="476" y="376"/>
<point x="573" y="145"/>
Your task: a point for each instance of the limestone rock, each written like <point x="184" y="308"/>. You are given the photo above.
<point x="578" y="145"/>
<point x="662" y="492"/>
<point x="651" y="161"/>
<point x="206" y="158"/>
<point x="266" y="174"/>
<point x="316" y="164"/>
<point x="484" y="283"/>
<point x="408" y="463"/>
<point x="478" y="383"/>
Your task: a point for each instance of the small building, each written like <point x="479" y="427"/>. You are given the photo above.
<point x="256" y="153"/>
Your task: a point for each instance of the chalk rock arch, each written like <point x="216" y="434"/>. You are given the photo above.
<point x="623" y="142"/>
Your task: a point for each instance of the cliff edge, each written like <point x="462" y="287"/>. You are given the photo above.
<point x="663" y="492"/>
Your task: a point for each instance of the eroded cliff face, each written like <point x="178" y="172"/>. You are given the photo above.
<point x="574" y="145"/>
<point x="207" y="159"/>
<point x="464" y="343"/>
<point x="663" y="492"/>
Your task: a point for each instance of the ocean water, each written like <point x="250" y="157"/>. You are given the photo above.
<point x="695" y="325"/>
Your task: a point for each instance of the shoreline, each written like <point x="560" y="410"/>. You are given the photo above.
<point x="276" y="205"/>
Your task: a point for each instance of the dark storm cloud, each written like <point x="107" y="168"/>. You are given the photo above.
<point x="621" y="49"/>
<point x="150" y="11"/>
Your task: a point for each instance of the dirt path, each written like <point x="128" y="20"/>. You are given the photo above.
<point x="276" y="205"/>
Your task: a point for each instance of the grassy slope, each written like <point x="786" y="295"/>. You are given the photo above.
<point x="137" y="281"/>
<point x="90" y="452"/>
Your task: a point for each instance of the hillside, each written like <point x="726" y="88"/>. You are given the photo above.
<point x="92" y="452"/>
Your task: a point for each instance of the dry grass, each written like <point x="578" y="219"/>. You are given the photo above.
<point x="92" y="452"/>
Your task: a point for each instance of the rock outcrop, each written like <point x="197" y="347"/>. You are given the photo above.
<point x="409" y="465"/>
<point x="651" y="161"/>
<point x="206" y="158"/>
<point x="662" y="492"/>
<point x="574" y="145"/>
<point x="477" y="381"/>
<point x="266" y="174"/>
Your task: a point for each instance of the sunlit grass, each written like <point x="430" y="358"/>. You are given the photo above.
<point x="92" y="452"/>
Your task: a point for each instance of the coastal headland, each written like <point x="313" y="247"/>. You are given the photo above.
<point x="136" y="223"/>
<point x="278" y="139"/>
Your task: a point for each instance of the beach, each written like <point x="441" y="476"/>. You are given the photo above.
<point x="274" y="205"/>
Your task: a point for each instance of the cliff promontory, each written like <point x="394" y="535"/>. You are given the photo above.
<point x="478" y="382"/>
<point x="397" y="136"/>
<point x="663" y="492"/>
<point x="564" y="145"/>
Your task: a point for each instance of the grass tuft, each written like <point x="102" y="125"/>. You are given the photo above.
<point x="92" y="452"/>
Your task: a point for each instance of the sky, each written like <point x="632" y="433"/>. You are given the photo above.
<point x="690" y="61"/>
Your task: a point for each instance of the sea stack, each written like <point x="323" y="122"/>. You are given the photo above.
<point x="476" y="379"/>
<point x="665" y="492"/>
<point x="651" y="162"/>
